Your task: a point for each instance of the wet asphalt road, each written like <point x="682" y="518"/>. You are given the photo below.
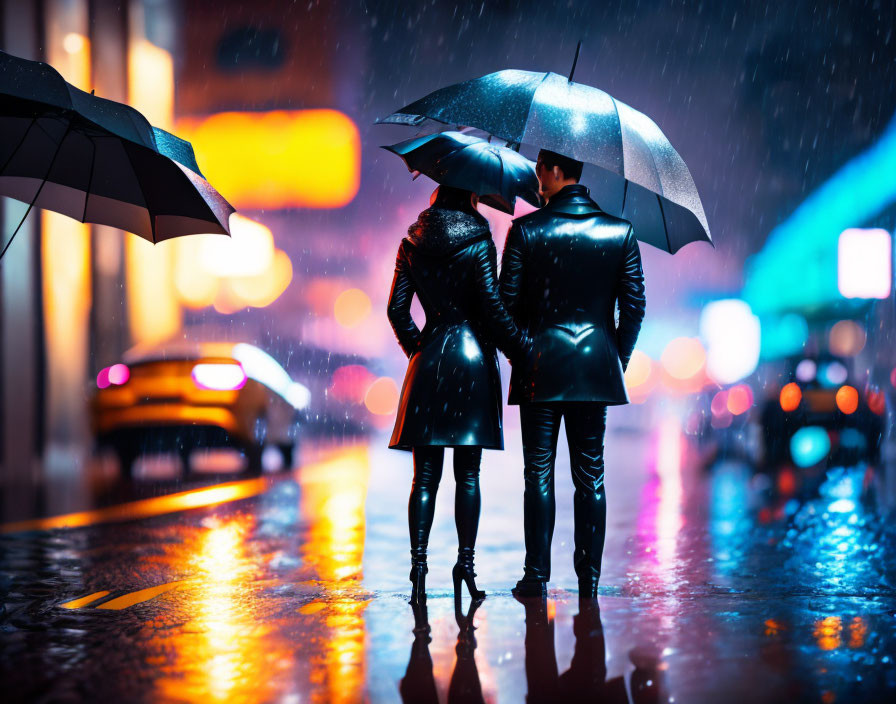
<point x="714" y="590"/>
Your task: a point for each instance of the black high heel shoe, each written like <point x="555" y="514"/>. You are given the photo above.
<point x="418" y="583"/>
<point x="463" y="571"/>
<point x="418" y="575"/>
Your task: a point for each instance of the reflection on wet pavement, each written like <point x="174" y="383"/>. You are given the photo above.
<point x="715" y="590"/>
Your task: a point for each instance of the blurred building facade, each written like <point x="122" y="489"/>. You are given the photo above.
<point x="74" y="296"/>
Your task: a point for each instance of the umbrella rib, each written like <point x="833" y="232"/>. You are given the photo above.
<point x="665" y="226"/>
<point x="42" y="129"/>
<point x="529" y="111"/>
<point x="19" y="145"/>
<point x="621" y="143"/>
<point x="152" y="220"/>
<point x="89" y="180"/>
<point x="40" y="188"/>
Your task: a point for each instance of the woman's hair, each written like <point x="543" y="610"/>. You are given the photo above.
<point x="453" y="199"/>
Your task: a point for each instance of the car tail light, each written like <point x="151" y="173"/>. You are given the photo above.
<point x="847" y="399"/>
<point x="116" y="375"/>
<point x="219" y="377"/>
<point x="791" y="395"/>
<point x="877" y="401"/>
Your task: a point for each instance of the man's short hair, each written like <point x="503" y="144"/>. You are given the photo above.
<point x="570" y="167"/>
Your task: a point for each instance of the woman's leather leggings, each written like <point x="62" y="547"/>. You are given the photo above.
<point x="467" y="501"/>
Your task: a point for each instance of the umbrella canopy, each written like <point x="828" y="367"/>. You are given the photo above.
<point x="98" y="161"/>
<point x="552" y="112"/>
<point x="496" y="174"/>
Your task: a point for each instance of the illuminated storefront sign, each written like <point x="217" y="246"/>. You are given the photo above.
<point x="279" y="159"/>
<point x="864" y="263"/>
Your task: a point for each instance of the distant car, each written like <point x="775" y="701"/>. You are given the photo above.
<point x="185" y="396"/>
<point x="820" y="413"/>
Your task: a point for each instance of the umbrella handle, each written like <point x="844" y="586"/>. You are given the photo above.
<point x="40" y="188"/>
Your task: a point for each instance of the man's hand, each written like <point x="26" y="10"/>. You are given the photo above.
<point x="528" y="348"/>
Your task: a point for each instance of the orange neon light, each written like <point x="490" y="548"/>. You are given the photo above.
<point x="279" y="159"/>
<point x="847" y="399"/>
<point x="791" y="395"/>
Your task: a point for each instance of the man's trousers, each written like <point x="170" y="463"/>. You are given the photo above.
<point x="585" y="428"/>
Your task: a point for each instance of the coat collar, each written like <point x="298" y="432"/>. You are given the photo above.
<point x="573" y="200"/>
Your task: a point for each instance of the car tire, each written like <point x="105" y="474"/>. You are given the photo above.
<point x="253" y="453"/>
<point x="184" y="454"/>
<point x="287" y="451"/>
<point x="126" y="460"/>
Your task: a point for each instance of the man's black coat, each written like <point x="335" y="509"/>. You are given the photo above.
<point x="564" y="270"/>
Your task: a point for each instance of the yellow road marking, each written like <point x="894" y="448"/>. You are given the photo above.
<point x="123" y="602"/>
<point x="145" y="508"/>
<point x="84" y="600"/>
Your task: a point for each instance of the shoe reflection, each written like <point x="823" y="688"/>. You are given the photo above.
<point x="419" y="685"/>
<point x="465" y="685"/>
<point x="585" y="680"/>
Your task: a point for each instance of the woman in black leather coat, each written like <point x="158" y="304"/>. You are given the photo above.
<point x="452" y="389"/>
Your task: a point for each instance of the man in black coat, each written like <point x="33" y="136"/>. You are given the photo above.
<point x="565" y="269"/>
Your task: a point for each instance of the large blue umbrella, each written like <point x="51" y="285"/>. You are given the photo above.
<point x="496" y="174"/>
<point x="97" y="160"/>
<point x="549" y="111"/>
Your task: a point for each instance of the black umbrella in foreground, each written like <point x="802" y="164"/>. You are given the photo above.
<point x="496" y="174"/>
<point x="549" y="111"/>
<point x="97" y="160"/>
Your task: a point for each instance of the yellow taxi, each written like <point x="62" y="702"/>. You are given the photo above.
<point x="183" y="396"/>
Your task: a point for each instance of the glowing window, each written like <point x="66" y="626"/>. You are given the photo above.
<point x="279" y="159"/>
<point x="864" y="263"/>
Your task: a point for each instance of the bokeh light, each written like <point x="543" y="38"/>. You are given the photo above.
<point x="790" y="397"/>
<point x="119" y="374"/>
<point x="864" y="263"/>
<point x="278" y="159"/>
<point x="683" y="358"/>
<point x="74" y="43"/>
<point x="721" y="420"/>
<point x="382" y="397"/>
<point x="847" y="338"/>
<point x="847" y="399"/>
<point x="116" y="375"/>
<point x="638" y="371"/>
<point x="833" y="374"/>
<point x="740" y="399"/>
<point x="732" y="336"/>
<point x="719" y="404"/>
<point x="806" y="370"/>
<point x="249" y="249"/>
<point x="351" y="307"/>
<point x="263" y="289"/>
<point x="809" y="445"/>
<point x="876" y="400"/>
<point x="196" y="287"/>
<point x="351" y="382"/>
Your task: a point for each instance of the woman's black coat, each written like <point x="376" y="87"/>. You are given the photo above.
<point x="452" y="390"/>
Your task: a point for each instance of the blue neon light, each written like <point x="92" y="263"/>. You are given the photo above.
<point x="809" y="445"/>
<point x="797" y="267"/>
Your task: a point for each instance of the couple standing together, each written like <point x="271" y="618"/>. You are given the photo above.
<point x="565" y="269"/>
